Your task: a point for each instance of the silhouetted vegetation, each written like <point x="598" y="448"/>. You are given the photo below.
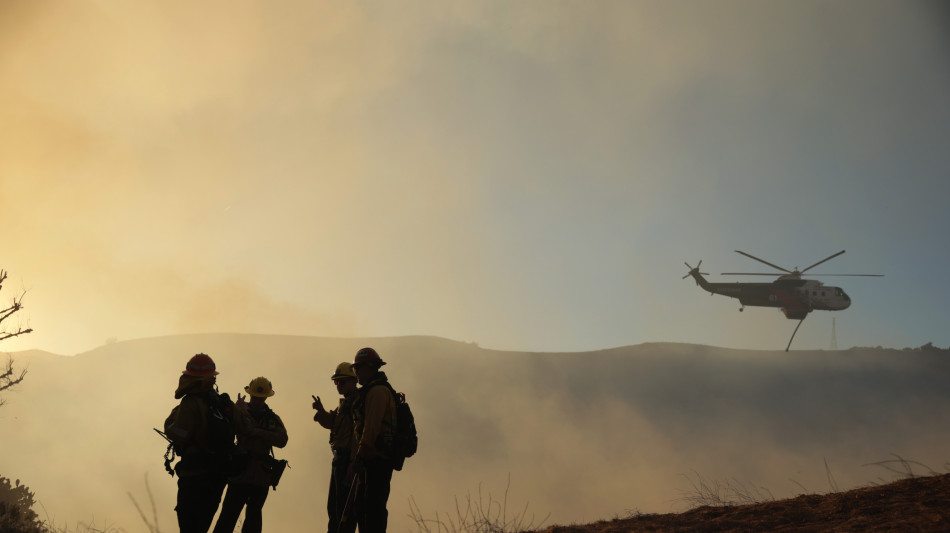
<point x="481" y="515"/>
<point x="17" y="514"/>
<point x="926" y="348"/>
<point x="715" y="493"/>
<point x="151" y="524"/>
<point x="901" y="468"/>
<point x="929" y="347"/>
<point x="10" y="376"/>
<point x="16" y="509"/>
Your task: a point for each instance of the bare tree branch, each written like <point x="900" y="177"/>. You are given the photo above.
<point x="15" y="306"/>
<point x="6" y="335"/>
<point x="10" y="376"/>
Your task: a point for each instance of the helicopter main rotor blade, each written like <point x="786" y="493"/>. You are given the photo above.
<point x="866" y="275"/>
<point x="805" y="275"/>
<point x="822" y="261"/>
<point x="750" y="256"/>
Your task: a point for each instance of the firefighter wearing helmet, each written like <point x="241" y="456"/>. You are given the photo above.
<point x="202" y="466"/>
<point x="374" y="423"/>
<point x="248" y="487"/>
<point x="340" y="423"/>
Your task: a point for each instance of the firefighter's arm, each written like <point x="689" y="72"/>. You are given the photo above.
<point x="278" y="436"/>
<point x="181" y="424"/>
<point x="322" y="416"/>
<point x="170" y="422"/>
<point x="243" y="424"/>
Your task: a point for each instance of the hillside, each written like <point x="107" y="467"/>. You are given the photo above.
<point x="579" y="436"/>
<point x="914" y="504"/>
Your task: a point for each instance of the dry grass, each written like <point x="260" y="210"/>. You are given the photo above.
<point x="483" y="514"/>
<point x="715" y="493"/>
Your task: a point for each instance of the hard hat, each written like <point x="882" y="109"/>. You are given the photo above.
<point x="260" y="387"/>
<point x="368" y="356"/>
<point x="343" y="370"/>
<point x="200" y="365"/>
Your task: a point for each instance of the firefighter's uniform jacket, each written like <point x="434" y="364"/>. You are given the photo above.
<point x="374" y="419"/>
<point x="254" y="445"/>
<point x="341" y="429"/>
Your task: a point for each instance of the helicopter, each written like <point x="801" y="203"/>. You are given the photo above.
<point x="796" y="297"/>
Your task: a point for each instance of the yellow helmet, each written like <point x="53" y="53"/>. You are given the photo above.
<point x="260" y="387"/>
<point x="344" y="370"/>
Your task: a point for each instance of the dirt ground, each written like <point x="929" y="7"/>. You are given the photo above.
<point x="914" y="504"/>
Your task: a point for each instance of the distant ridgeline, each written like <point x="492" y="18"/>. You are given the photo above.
<point x="929" y="347"/>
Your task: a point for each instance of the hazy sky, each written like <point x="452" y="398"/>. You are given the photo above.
<point x="525" y="175"/>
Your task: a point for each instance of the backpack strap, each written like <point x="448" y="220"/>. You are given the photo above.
<point x="396" y="395"/>
<point x="360" y="402"/>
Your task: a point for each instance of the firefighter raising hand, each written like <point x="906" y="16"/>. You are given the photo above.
<point x="317" y="404"/>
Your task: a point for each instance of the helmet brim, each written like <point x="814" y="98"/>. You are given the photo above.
<point x="200" y="373"/>
<point x="268" y="394"/>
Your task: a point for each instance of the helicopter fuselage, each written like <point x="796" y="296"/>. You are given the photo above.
<point x="796" y="297"/>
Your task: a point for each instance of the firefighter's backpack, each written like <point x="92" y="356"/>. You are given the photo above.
<point x="406" y="438"/>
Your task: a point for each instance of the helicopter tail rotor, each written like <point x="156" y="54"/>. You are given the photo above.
<point x="694" y="270"/>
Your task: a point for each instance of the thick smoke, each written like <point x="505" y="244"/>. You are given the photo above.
<point x="582" y="436"/>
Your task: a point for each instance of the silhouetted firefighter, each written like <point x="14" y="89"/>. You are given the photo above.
<point x="340" y="423"/>
<point x="381" y="444"/>
<point x="255" y="468"/>
<point x="201" y="429"/>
